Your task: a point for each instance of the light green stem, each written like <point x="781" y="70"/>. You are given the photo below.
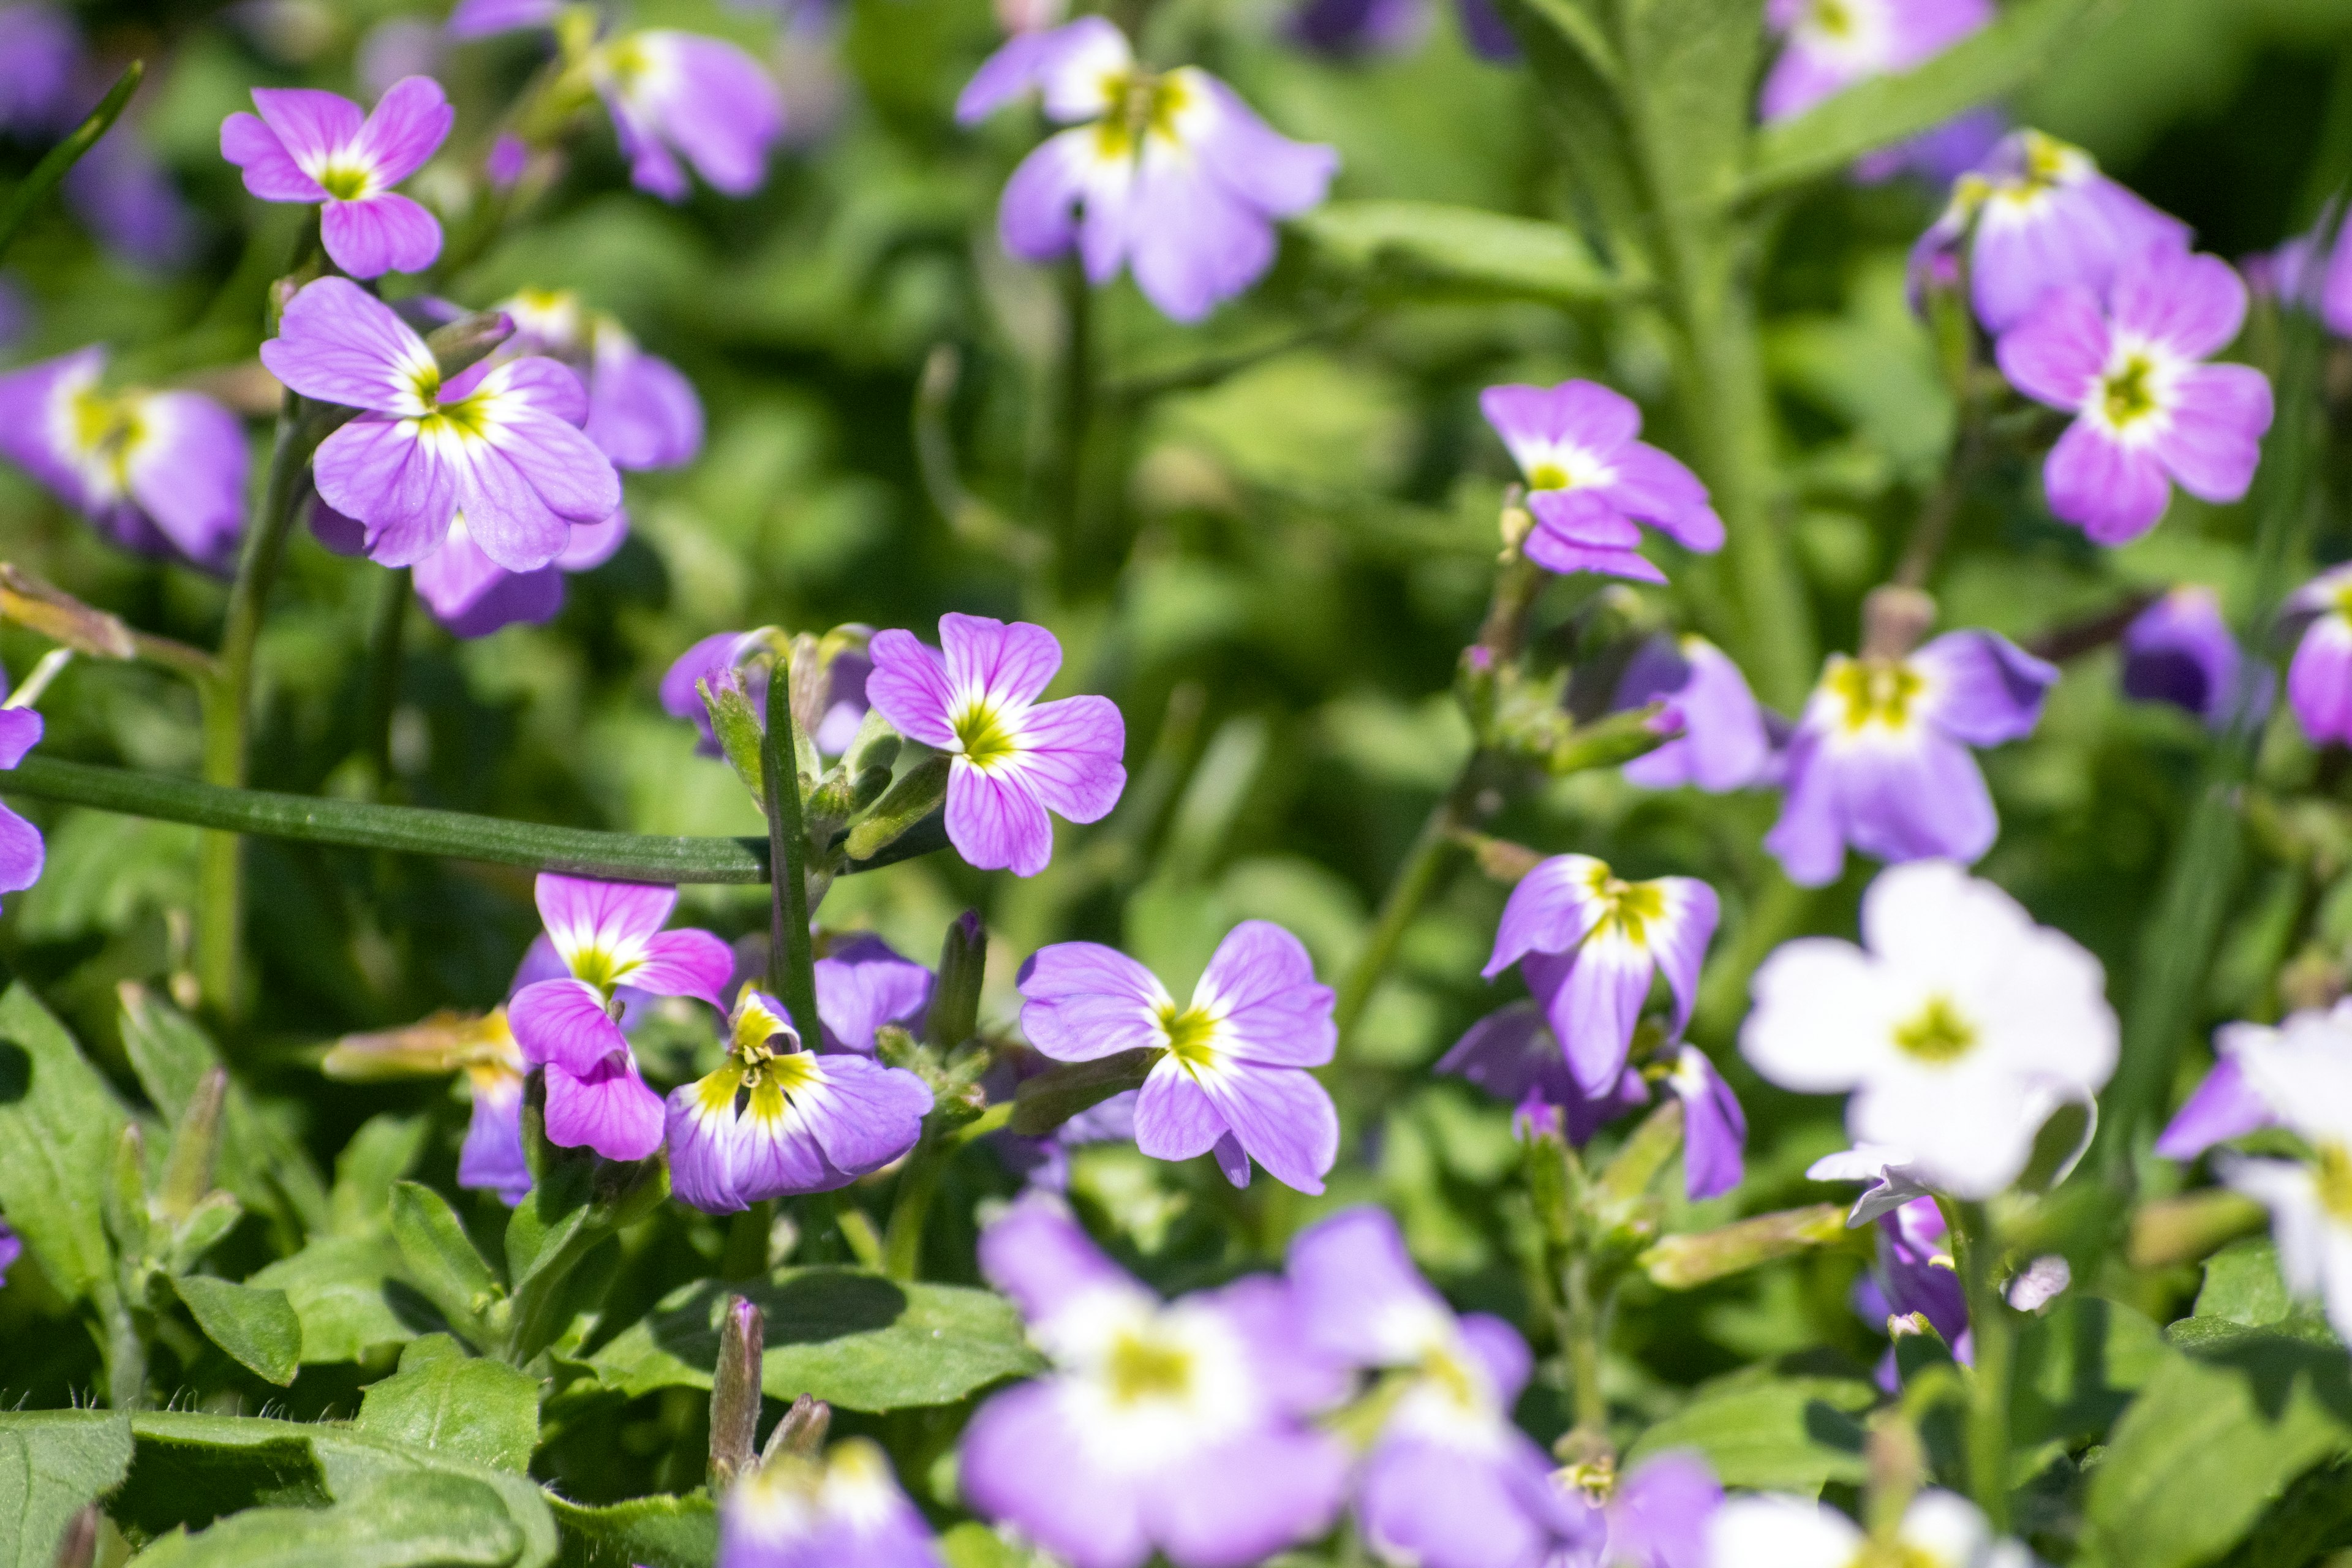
<point x="1993" y="1336"/>
<point x="792" y="964"/>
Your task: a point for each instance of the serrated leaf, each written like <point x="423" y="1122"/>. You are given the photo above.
<point x="52" y="1464"/>
<point x="255" y="1324"/>
<point x="1780" y="1434"/>
<point x="653" y="1531"/>
<point x="58" y="1125"/>
<point x="849" y="1337"/>
<point x="414" y="1520"/>
<point x="1461" y="249"/>
<point x="444" y="1400"/>
<point x="440" y="1255"/>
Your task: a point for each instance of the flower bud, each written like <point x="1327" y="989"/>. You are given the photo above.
<point x="955" y="999"/>
<point x="468" y="341"/>
<point x="1680" y="1262"/>
<point x="735" y="1393"/>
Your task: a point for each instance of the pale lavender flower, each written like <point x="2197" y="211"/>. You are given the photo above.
<point x="1168" y="173"/>
<point x="21" y="849"/>
<point x="470" y="594"/>
<point x="1348" y="27"/>
<point x="1657" y="1516"/>
<point x="2336" y="284"/>
<point x="2319" y="680"/>
<point x="1940" y="155"/>
<point x="1714" y="1129"/>
<point x="643" y="413"/>
<point x="1179" y="1427"/>
<point x="313" y="146"/>
<point x="1914" y="1273"/>
<point x="1512" y="1054"/>
<point x="121" y="192"/>
<point x="1832" y="44"/>
<point x="1233" y="1077"/>
<point x="1724" y="744"/>
<point x="1450" y="1481"/>
<point x="2180" y="650"/>
<point x="846" y="1510"/>
<point x="40" y="59"/>
<point x="2148" y="410"/>
<point x="480" y="18"/>
<point x="677" y="95"/>
<point x="608" y="934"/>
<point x="499" y="443"/>
<point x="1880" y="759"/>
<point x="161" y="473"/>
<point x="2228" y="1103"/>
<point x="1589" y="480"/>
<point x="1016" y="758"/>
<point x="1589" y="944"/>
<point x="862" y="984"/>
<point x="2302" y="1072"/>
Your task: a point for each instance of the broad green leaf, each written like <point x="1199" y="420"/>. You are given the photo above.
<point x="1782" y="1434"/>
<point x="1460" y="249"/>
<point x="2243" y="1284"/>
<point x="52" y="1463"/>
<point x="379" y="1154"/>
<point x="854" y="1339"/>
<point x="1882" y="111"/>
<point x="351" y="1295"/>
<point x="2078" y="1367"/>
<point x="441" y="1257"/>
<point x="2216" y="1437"/>
<point x="408" y="1522"/>
<point x="58" y="1125"/>
<point x="443" y="1399"/>
<point x="255" y="1324"/>
<point x="974" y="1545"/>
<point x="655" y="1531"/>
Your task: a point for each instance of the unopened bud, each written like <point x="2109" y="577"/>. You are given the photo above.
<point x="736" y="726"/>
<point x="870" y="783"/>
<point x="2173" y="1231"/>
<point x="1680" y="1262"/>
<point x="955" y="998"/>
<point x="468" y="341"/>
<point x="915" y="796"/>
<point x="802" y="1431"/>
<point x="1893" y="619"/>
<point x="62" y="618"/>
<point x="735" y="1393"/>
<point x="196" y="1149"/>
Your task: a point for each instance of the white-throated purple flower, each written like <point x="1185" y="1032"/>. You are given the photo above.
<point x="1450" y="1481"/>
<point x="313" y="146"/>
<point x="676" y="95"/>
<point x="2180" y="650"/>
<point x="469" y="593"/>
<point x="2229" y="1104"/>
<point x="1939" y="1528"/>
<point x="2319" y="680"/>
<point x="608" y="934"/>
<point x="161" y="473"/>
<point x="775" y="1119"/>
<point x="643" y="413"/>
<point x="1880" y="760"/>
<point x="1016" y="758"/>
<point x="22" y="852"/>
<point x="2303" y="1073"/>
<point x="1714" y="1129"/>
<point x="1177" y="1426"/>
<point x="1724" y="744"/>
<point x="499" y="444"/>
<point x="1589" y="944"/>
<point x="1232" y="1075"/>
<point x="863" y="984"/>
<point x="2035" y="216"/>
<point x="1958" y="1028"/>
<point x="1590" y="480"/>
<point x="844" y="1511"/>
<point x="1914" y="1278"/>
<point x="1168" y="173"/>
<point x="2149" y="412"/>
<point x="1830" y="45"/>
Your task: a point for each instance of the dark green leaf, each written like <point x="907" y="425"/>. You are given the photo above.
<point x="351" y="1295"/>
<point x="655" y="1532"/>
<point x="2078" y="1367"/>
<point x="854" y="1339"/>
<point x="443" y="1399"/>
<point x="1461" y="248"/>
<point x="379" y="1154"/>
<point x="441" y="1257"/>
<point x="1689" y="75"/>
<point x="58" y="1125"/>
<point x="61" y="158"/>
<point x="408" y="1522"/>
<point x="52" y="1463"/>
<point x="255" y="1325"/>
<point x="1785" y="1434"/>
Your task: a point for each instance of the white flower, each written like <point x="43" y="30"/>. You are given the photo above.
<point x="1939" y="1530"/>
<point x="1959" y="1027"/>
<point x="2303" y="1073"/>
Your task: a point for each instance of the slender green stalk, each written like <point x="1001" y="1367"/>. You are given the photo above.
<point x="123" y="1351"/>
<point x="382" y="691"/>
<point x="1583" y="1327"/>
<point x="1992" y="1335"/>
<point x="791" y="963"/>
<point x="1433" y="851"/>
<point x="61" y="158"/>
<point x="1074" y="419"/>
<point x="902" y="1234"/>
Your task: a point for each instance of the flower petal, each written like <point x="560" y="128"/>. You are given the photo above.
<point x="861" y="985"/>
<point x="1551" y="909"/>
<point x="1174" y="1117"/>
<point x="684" y="963"/>
<point x="866" y="1114"/>
<point x="2220" y="413"/>
<point x="610" y="1110"/>
<point x="339" y="344"/>
<point x="2191" y="304"/>
<point x="308" y="123"/>
<point x="269" y="172"/>
<point x="909" y="688"/>
<point x="995" y="820"/>
<point x="2057" y="354"/>
<point x="1260" y="985"/>
<point x="564" y="1022"/>
<point x="405" y="128"/>
<point x="1070" y="752"/>
<point x="613" y="919"/>
<point x="1982" y="687"/>
<point x="376" y="470"/>
<point x="1006" y="664"/>
<point x="1282" y="1117"/>
<point x="1081" y="1001"/>
<point x="383" y="233"/>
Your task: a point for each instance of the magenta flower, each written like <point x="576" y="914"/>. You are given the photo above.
<point x="312" y="146"/>
<point x="608" y="934"/>
<point x="643" y="413"/>
<point x="161" y="473"/>
<point x="1168" y="173"/>
<point x="21" y="849"/>
<point x="1589" y="479"/>
<point x="500" y="444"/>
<point x="2147" y="406"/>
<point x="2036" y="216"/>
<point x="1880" y="760"/>
<point x="843" y="1511"/>
<point x="1724" y="745"/>
<point x="1450" y="1481"/>
<point x="1589" y="944"/>
<point x="1231" y="1077"/>
<point x="775" y="1119"/>
<point x="2319" y="681"/>
<point x="674" y="95"/>
<point x="1016" y="758"/>
<point x="1177" y="1426"/>
<point x="12" y="1247"/>
<point x="2180" y="650"/>
<point x="1832" y="44"/>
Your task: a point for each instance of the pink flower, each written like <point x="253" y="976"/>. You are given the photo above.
<point x="312" y="146"/>
<point x="1589" y="480"/>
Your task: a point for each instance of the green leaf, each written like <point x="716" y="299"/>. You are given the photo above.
<point x="1782" y="1434"/>
<point x="974" y="1545"/>
<point x="443" y="1399"/>
<point x="655" y="1531"/>
<point x="255" y="1325"/>
<point x="849" y="1337"/>
<point x="441" y="1257"/>
<point x="1690" y="70"/>
<point x="2243" y="1284"/>
<point x="351" y="1296"/>
<point x="2213" y="1439"/>
<point x="1433" y="246"/>
<point x="59" y="1124"/>
<point x="52" y="1464"/>
<point x="1882" y="111"/>
<point x="414" y="1520"/>
<point x="61" y="159"/>
<point x="379" y="1154"/>
<point x="2078" y="1367"/>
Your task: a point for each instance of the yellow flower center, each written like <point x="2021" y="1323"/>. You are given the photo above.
<point x="345" y="182"/>
<point x="1833" y="17"/>
<point x="1874" y="691"/>
<point x="1936" y="1033"/>
<point x="984" y="735"/>
<point x="108" y="429"/>
<point x="1550" y="476"/>
<point x="1140" y="1369"/>
<point x="1628" y="908"/>
<point x="1893" y="1554"/>
<point x="2333" y="1181"/>
<point x="468" y="416"/>
<point x="1142" y="102"/>
<point x="1192" y="1036"/>
<point x="2124" y="393"/>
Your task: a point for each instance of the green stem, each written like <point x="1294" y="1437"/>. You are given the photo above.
<point x="382" y="692"/>
<point x="124" y="1351"/>
<point x="1583" y="1327"/>
<point x="791" y="962"/>
<point x="746" y="1253"/>
<point x="62" y="157"/>
<point x="1424" y="870"/>
<point x="1074" y="414"/>
<point x="1993" y="1336"/>
<point x="918" y="1183"/>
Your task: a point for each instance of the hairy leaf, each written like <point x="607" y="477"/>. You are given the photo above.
<point x="654" y="1531"/>
<point x="408" y="1522"/>
<point x="351" y="1295"/>
<point x="255" y="1324"/>
<point x="52" y="1463"/>
<point x="1788" y="1433"/>
<point x="443" y="1399"/>
<point x="58" y="1125"/>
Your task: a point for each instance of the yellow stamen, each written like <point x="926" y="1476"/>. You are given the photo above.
<point x="1936" y="1034"/>
<point x="1874" y="691"/>
<point x="1141" y="1370"/>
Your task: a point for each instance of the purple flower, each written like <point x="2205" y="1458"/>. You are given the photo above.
<point x="861" y="984"/>
<point x="1450" y="1481"/>
<point x="161" y="473"/>
<point x="1512" y="1054"/>
<point x="12" y="1247"/>
<point x="125" y="197"/>
<point x="2180" y="650"/>
<point x="1714" y="1130"/>
<point x="313" y="146"/>
<point x="1016" y="758"/>
<point x="2037" y="215"/>
<point x="2229" y="1104"/>
<point x="843" y="1511"/>
<point x="1359" y="26"/>
<point x="1177" y="1426"/>
<point x="1589" y="480"/>
<point x="1832" y="44"/>
<point x="2147" y="406"/>
<point x="734" y="659"/>
<point x="480" y="18"/>
<point x="1484" y="29"/>
<point x="1169" y="174"/>
<point x="395" y="48"/>
<point x="500" y="443"/>
<point x="1231" y="1077"/>
<point x="1916" y="1272"/>
<point x="1724" y="745"/>
<point x="1940" y="155"/>
<point x="509" y="155"/>
<point x="607" y="933"/>
<point x="21" y="849"/>
<point x="2319" y="681"/>
<point x="1880" y="760"/>
<point x="674" y="94"/>
<point x="776" y="1120"/>
<point x="40" y="57"/>
<point x="1587" y="945"/>
<point x="1657" y="1517"/>
<point x="2336" y="284"/>
<point x="643" y="413"/>
<point x="470" y="594"/>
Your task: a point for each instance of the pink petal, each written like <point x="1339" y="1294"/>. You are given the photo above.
<point x="384" y="232"/>
<point x="563" y="1023"/>
<point x="909" y="688"/>
<point x="1282" y="1116"/>
<point x="20" y="731"/>
<point x="407" y="126"/>
<point x="374" y="470"/>
<point x="1070" y="755"/>
<point x="269" y="173"/>
<point x="609" y="1109"/>
<point x="2219" y="413"/>
<point x="684" y="963"/>
<point x="1261" y="984"/>
<point x="2115" y="492"/>
<point x="2319" y="681"/>
<point x="308" y="123"/>
<point x="2192" y="305"/>
<point x="585" y="916"/>
<point x="1582" y="413"/>
<point x="995" y="820"/>
<point x="2057" y="353"/>
<point x="1008" y="664"/>
<point x="339" y="344"/>
<point x="1081" y="1000"/>
<point x="1655" y="488"/>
